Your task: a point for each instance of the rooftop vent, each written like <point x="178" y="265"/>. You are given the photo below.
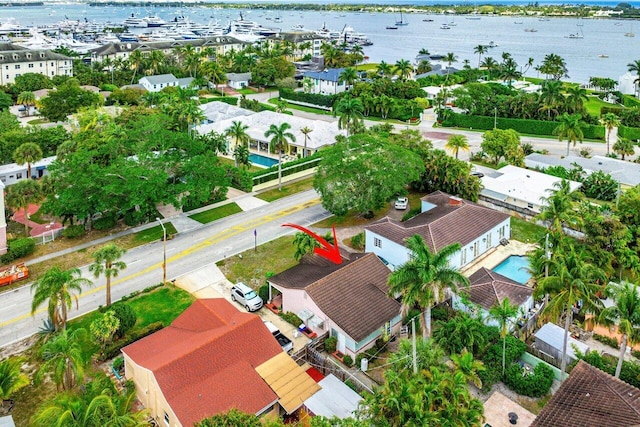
<point x="455" y="201"/>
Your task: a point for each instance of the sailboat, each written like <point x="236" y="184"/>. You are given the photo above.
<point x="401" y="22"/>
<point x="630" y="33"/>
<point x="577" y="35"/>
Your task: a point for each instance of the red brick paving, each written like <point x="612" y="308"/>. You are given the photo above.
<point x="35" y="228"/>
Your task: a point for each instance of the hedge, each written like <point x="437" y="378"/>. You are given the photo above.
<point x="531" y="127"/>
<point x="113" y="349"/>
<point x="629" y="133"/>
<point x="630" y="101"/>
<point x="231" y="100"/>
<point x="291" y="167"/>
<point x="18" y="248"/>
<point x="311" y="98"/>
<point x="535" y="384"/>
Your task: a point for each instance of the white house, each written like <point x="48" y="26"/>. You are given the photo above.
<point x="444" y="220"/>
<point x="159" y="82"/>
<point x="16" y="61"/>
<point x="13" y="172"/>
<point x="520" y="189"/>
<point x="627" y="84"/>
<point x="327" y="81"/>
<point x="238" y="80"/>
<point x="218" y="111"/>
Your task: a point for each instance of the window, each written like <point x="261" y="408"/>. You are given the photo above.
<point x="6" y="67"/>
<point x="52" y="64"/>
<point x="166" y="418"/>
<point x="489" y="240"/>
<point x="30" y="65"/>
<point x="41" y="65"/>
<point x="3" y="178"/>
<point x="17" y="66"/>
<point x="476" y="249"/>
<point x="463" y="257"/>
<point x="18" y="176"/>
<point x="377" y="242"/>
<point x="530" y="205"/>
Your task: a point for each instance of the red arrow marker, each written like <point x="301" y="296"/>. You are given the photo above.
<point x="332" y="253"/>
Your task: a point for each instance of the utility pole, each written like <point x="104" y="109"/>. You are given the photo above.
<point x="164" y="252"/>
<point x="413" y="339"/>
<point x="495" y="117"/>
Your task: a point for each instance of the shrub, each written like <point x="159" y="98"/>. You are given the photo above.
<point x="113" y="349"/>
<point x="492" y="360"/>
<point x="411" y="214"/>
<point x="240" y="179"/>
<point x="600" y="185"/>
<point x="440" y="313"/>
<point x="127" y="317"/>
<point x="309" y="98"/>
<point x="288" y="168"/>
<point x="263" y="292"/>
<point x="357" y="241"/>
<point x="18" y="248"/>
<point x="118" y="363"/>
<point x="534" y="384"/>
<point x="330" y="344"/>
<point x="612" y="342"/>
<point x="104" y="223"/>
<point x="73" y="231"/>
<point x="291" y="318"/>
<point x="381" y="343"/>
<point x="347" y="360"/>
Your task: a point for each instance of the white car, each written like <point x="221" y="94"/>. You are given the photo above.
<point x="401" y="203"/>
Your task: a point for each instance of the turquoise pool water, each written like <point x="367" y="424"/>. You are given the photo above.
<point x="515" y="268"/>
<point x="265" y="161"/>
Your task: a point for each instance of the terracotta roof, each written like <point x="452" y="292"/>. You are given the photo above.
<point x="446" y="223"/>
<point x="591" y="397"/>
<point x="205" y="360"/>
<point x="353" y="294"/>
<point x="487" y="288"/>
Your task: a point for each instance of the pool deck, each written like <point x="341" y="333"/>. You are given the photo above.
<point x="496" y="255"/>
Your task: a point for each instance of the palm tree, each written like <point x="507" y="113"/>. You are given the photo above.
<point x="65" y="358"/>
<point x="576" y="97"/>
<point x="428" y="353"/>
<point x="466" y="365"/>
<point x="106" y="261"/>
<point x="610" y="121"/>
<point x="403" y="68"/>
<point x="624" y="147"/>
<point x="574" y="281"/>
<point x="570" y="127"/>
<point x="634" y="67"/>
<point x="557" y="209"/>
<point x="280" y="138"/>
<point x="305" y="131"/>
<point x="305" y="244"/>
<point x="12" y="378"/>
<point x="450" y="58"/>
<point x="423" y="278"/>
<point x="349" y="112"/>
<point x="136" y="59"/>
<point x="551" y="97"/>
<point x="238" y="131"/>
<point x="424" y="66"/>
<point x="28" y="153"/>
<point x="58" y="286"/>
<point x="384" y="104"/>
<point x="349" y="76"/>
<point x="21" y="194"/>
<point x="384" y="69"/>
<point x="490" y="65"/>
<point x="480" y="50"/>
<point x="27" y="99"/>
<point x="503" y="313"/>
<point x="625" y="313"/>
<point x="457" y="142"/>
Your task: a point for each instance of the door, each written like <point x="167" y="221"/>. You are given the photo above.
<point x="341" y="346"/>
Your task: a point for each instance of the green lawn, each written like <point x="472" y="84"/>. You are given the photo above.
<point x="287" y="190"/>
<point x="302" y="108"/>
<point x="525" y="231"/>
<point x="216" y="213"/>
<point x="247" y="91"/>
<point x="231" y="162"/>
<point x="154" y="233"/>
<point x="594" y="104"/>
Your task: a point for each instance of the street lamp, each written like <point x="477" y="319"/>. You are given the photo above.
<point x="164" y="252"/>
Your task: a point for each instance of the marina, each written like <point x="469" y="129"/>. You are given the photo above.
<point x="588" y="48"/>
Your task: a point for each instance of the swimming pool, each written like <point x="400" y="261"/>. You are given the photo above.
<point x="265" y="161"/>
<point x="515" y="268"/>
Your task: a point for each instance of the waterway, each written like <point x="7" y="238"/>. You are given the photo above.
<point x="603" y="50"/>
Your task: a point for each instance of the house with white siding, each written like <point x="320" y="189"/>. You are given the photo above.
<point x="327" y="81"/>
<point x="16" y="61"/>
<point x="444" y="220"/>
<point x="161" y="81"/>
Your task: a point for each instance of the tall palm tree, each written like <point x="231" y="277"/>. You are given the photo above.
<point x="136" y="59"/>
<point x="349" y="112"/>
<point x="28" y="153"/>
<point x="280" y="138"/>
<point x="238" y="131"/>
<point x="624" y="147"/>
<point x="305" y="131"/>
<point x="551" y="97"/>
<point x="21" y="194"/>
<point x="457" y="142"/>
<point x="450" y="58"/>
<point x="423" y="278"/>
<point x="634" y="67"/>
<point x="625" y="313"/>
<point x="503" y="313"/>
<point x="465" y="364"/>
<point x="349" y="76"/>
<point x="12" y="378"/>
<point x="65" y="358"/>
<point x="609" y="121"/>
<point x="480" y="50"/>
<point x="384" y="104"/>
<point x="490" y="65"/>
<point x="384" y="69"/>
<point x="576" y="97"/>
<point x="557" y="209"/>
<point x="403" y="68"/>
<point x="27" y="99"/>
<point x="570" y="127"/>
<point x="574" y="281"/>
<point x="106" y="261"/>
<point x="60" y="288"/>
<point x="358" y="54"/>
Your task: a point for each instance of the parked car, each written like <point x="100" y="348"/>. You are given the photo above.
<point x="284" y="342"/>
<point x="246" y="297"/>
<point x="401" y="203"/>
<point x="478" y="174"/>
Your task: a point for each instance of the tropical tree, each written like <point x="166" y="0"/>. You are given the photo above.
<point x="428" y="353"/>
<point x="422" y="280"/>
<point x="625" y="313"/>
<point x="136" y="60"/>
<point x="624" y="147"/>
<point x="12" y="378"/>
<point x="570" y="128"/>
<point x="27" y="99"/>
<point x="403" y="68"/>
<point x="349" y="112"/>
<point x="576" y="97"/>
<point x="305" y="131"/>
<point x="238" y="131"/>
<point x="424" y="66"/>
<point x="280" y="138"/>
<point x="65" y="359"/>
<point x="106" y="261"/>
<point x="305" y="244"/>
<point x="557" y="209"/>
<point x="503" y="313"/>
<point x="551" y="97"/>
<point x="574" y="281"/>
<point x="349" y="76"/>
<point x="384" y="69"/>
<point x="634" y="67"/>
<point x="450" y="58"/>
<point x="59" y="287"/>
<point x="480" y="50"/>
<point x="28" y="153"/>
<point x="466" y="365"/>
<point x="490" y="65"/>
<point x="457" y="142"/>
<point x="21" y="194"/>
<point x="384" y="104"/>
<point x="610" y="121"/>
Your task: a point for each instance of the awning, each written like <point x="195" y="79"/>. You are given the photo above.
<point x="305" y="314"/>
<point x="335" y="399"/>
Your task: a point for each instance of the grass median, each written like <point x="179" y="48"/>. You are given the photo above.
<point x="214" y="214"/>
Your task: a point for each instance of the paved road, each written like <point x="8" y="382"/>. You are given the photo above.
<point x="186" y="252"/>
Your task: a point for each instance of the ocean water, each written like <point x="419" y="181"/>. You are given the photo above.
<point x="604" y="51"/>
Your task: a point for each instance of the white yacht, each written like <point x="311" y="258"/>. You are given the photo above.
<point x="134" y="22"/>
<point x="154" y="21"/>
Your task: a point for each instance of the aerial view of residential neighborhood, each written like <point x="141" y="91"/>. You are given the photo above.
<point x="369" y="213"/>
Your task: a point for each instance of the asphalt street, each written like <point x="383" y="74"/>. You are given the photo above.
<point x="186" y="252"/>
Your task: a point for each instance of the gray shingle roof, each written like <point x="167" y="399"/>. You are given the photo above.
<point x="160" y="79"/>
<point x="591" y="397"/>
<point x="486" y="288"/>
<point x="330" y="75"/>
<point x="112" y="48"/>
<point x="28" y="55"/>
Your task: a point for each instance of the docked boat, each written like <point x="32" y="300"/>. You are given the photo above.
<point x="391" y="27"/>
<point x="134" y="22"/>
<point x="445" y="26"/>
<point x="244" y="26"/>
<point x="530" y="30"/>
<point x="128" y="37"/>
<point x="401" y="22"/>
<point x="153" y="21"/>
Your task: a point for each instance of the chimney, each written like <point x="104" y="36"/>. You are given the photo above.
<point x="455" y="201"/>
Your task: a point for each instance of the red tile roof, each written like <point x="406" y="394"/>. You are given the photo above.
<point x="591" y="397"/>
<point x="447" y="223"/>
<point x="487" y="288"/>
<point x="205" y="360"/>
